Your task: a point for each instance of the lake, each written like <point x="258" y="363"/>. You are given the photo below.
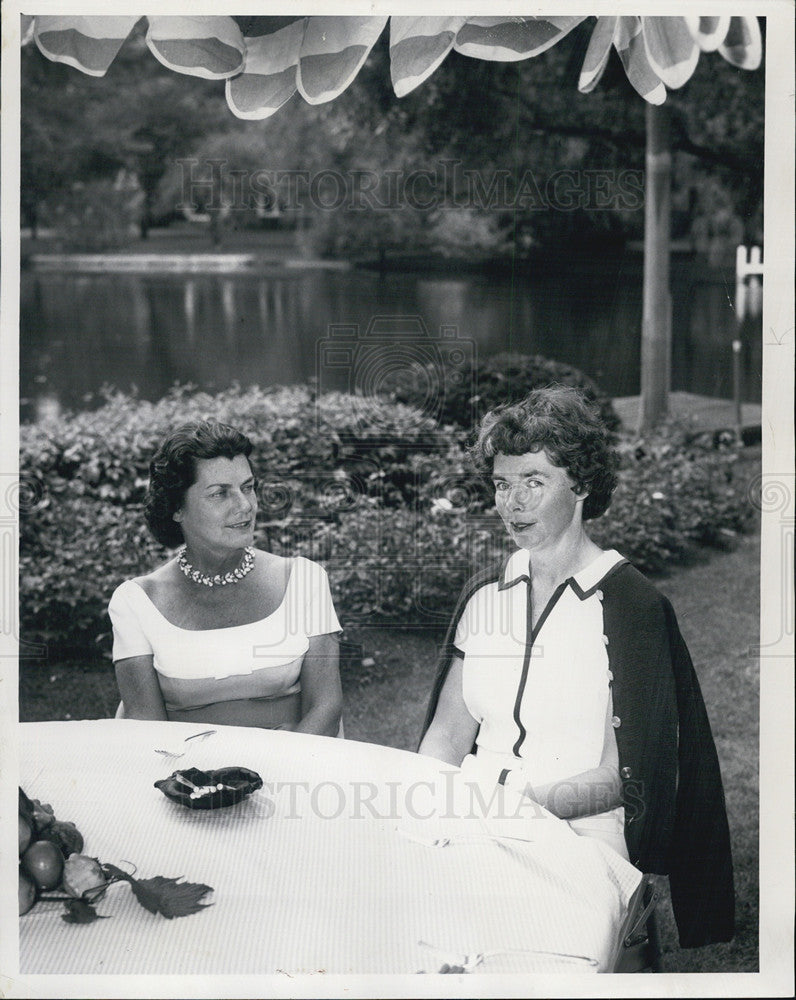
<point x="283" y="326"/>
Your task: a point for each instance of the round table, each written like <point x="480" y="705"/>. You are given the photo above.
<point x="352" y="858"/>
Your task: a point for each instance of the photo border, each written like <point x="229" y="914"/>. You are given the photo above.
<point x="776" y="669"/>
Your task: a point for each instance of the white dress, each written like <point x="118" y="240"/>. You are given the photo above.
<point x="257" y="661"/>
<point x="540" y="695"/>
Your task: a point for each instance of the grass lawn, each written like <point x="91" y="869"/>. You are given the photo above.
<point x="718" y="608"/>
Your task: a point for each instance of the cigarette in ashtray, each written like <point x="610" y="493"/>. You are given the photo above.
<point x="200" y="790"/>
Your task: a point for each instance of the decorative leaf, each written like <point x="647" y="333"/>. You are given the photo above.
<point x="167" y="896"/>
<point x="80" y="912"/>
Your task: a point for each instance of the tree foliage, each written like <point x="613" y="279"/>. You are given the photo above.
<point x="76" y="129"/>
<point x="524" y="122"/>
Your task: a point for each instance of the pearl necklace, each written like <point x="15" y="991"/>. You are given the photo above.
<point x="234" y="576"/>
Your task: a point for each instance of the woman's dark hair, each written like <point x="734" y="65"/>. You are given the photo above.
<point x="173" y="469"/>
<point x="560" y="420"/>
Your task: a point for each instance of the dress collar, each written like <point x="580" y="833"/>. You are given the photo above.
<point x="516" y="568"/>
<point x="588" y="579"/>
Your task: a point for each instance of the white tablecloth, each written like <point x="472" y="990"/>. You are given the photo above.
<point x="328" y="867"/>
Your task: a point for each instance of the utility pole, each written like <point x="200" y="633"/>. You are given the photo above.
<point x="656" y="323"/>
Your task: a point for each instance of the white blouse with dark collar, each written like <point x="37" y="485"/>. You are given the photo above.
<point x="540" y="695"/>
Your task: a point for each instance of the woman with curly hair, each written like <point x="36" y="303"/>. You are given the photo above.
<point x="223" y="632"/>
<point x="564" y="675"/>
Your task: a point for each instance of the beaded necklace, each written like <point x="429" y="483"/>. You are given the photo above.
<point x="219" y="580"/>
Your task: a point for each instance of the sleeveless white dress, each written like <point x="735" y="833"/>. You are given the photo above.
<point x="258" y="660"/>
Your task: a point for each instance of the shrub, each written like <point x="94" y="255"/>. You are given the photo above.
<point x="504" y="378"/>
<point x="675" y="494"/>
<point x="297" y="435"/>
<point x="318" y="458"/>
<point x="400" y="565"/>
<point x="400" y="523"/>
<point x="74" y="551"/>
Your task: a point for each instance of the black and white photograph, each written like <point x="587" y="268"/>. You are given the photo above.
<point x="382" y="394"/>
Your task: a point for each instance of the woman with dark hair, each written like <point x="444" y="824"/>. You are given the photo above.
<point x="564" y="675"/>
<point x="223" y="633"/>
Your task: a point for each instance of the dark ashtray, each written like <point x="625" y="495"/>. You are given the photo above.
<point x="238" y="782"/>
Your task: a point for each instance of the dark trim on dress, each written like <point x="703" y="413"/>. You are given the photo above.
<point x="586" y="594"/>
<point x="526" y="662"/>
<point x="502" y="583"/>
<point x="448" y="651"/>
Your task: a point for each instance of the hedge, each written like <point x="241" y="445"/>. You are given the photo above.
<point x="462" y="398"/>
<point x="379" y="493"/>
<point x="105" y="453"/>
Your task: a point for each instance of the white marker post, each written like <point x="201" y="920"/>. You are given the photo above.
<point x="748" y="300"/>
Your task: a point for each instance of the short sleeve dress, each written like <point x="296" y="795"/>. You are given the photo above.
<point x="259" y="660"/>
<point x="541" y="694"/>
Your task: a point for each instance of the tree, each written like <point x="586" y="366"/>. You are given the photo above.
<point x="511" y="115"/>
<point x="267" y="59"/>
<point x="77" y="129"/>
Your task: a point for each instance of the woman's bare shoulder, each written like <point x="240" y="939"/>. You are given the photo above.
<point x="273" y="571"/>
<point x="273" y="563"/>
<point x="161" y="576"/>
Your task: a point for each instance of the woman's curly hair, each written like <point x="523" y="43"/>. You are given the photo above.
<point x="173" y="469"/>
<point x="560" y="420"/>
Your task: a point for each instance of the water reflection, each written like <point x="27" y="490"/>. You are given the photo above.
<point x="80" y="332"/>
<point x="190" y="310"/>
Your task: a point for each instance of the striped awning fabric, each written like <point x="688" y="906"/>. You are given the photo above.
<point x="266" y="60"/>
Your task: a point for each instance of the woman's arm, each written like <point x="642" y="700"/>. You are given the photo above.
<point x="139" y="688"/>
<point x="453" y="730"/>
<point x="321" y="692"/>
<point x="590" y="792"/>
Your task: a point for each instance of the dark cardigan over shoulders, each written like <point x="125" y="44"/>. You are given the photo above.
<point x="675" y="815"/>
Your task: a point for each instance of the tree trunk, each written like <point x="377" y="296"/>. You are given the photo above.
<point x="656" y="324"/>
<point x="216" y="224"/>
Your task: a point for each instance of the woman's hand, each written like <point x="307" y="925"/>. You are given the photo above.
<point x="321" y="691"/>
<point x="597" y="790"/>
<point x="139" y="688"/>
<point x="453" y="730"/>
